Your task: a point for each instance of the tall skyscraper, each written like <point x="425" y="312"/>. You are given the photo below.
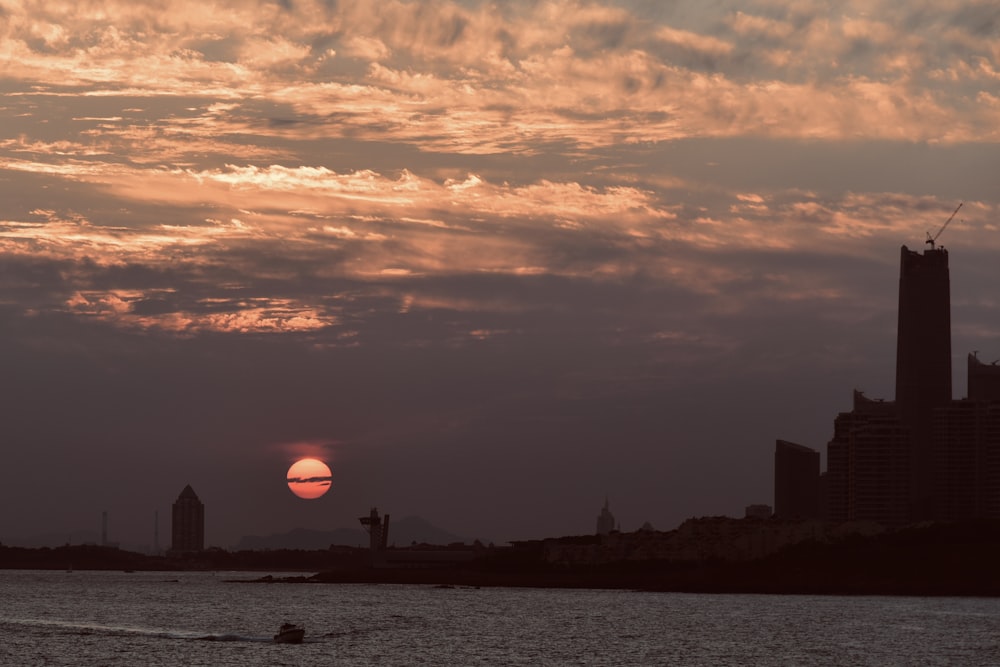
<point x="923" y="333"/>
<point x="188" y="526"/>
<point x="923" y="362"/>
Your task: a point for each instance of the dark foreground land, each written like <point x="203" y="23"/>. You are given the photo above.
<point x="937" y="559"/>
<point x="953" y="560"/>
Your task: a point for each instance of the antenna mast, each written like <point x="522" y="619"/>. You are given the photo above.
<point x="932" y="239"/>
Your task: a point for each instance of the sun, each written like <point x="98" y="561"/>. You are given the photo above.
<point x="309" y="478"/>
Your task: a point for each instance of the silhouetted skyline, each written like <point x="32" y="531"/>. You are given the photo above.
<point x="921" y="456"/>
<point x="489" y="261"/>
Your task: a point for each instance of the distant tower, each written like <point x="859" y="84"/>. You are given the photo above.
<point x="378" y="533"/>
<point x="605" y="520"/>
<point x="104" y="528"/>
<point x="923" y="361"/>
<point x="188" y="532"/>
<point x="156" y="532"/>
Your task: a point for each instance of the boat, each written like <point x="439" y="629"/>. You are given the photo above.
<point x="289" y="633"/>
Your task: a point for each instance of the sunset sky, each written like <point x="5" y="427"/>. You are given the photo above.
<point x="492" y="262"/>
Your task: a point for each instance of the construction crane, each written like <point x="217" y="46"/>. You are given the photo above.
<point x="932" y="239"/>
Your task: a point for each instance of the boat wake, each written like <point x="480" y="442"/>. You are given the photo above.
<point x="229" y="638"/>
<point x="72" y="627"/>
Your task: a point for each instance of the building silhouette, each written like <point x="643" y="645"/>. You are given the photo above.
<point x="188" y="526"/>
<point x="984" y="379"/>
<point x="868" y="464"/>
<point x="966" y="449"/>
<point x="922" y="456"/>
<point x="923" y="362"/>
<point x="378" y="530"/>
<point x="796" y="481"/>
<point x="605" y="520"/>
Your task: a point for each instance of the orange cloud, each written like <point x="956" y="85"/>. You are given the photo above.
<point x="492" y="79"/>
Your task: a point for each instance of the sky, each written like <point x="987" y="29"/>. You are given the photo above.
<point x="493" y="262"/>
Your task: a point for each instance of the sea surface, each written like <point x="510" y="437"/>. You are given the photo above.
<point x="167" y="618"/>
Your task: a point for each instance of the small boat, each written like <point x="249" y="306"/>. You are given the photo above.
<point x="290" y="633"/>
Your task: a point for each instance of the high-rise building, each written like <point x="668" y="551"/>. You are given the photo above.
<point x="923" y="333"/>
<point x="923" y="362"/>
<point x="881" y="460"/>
<point x="966" y="449"/>
<point x="188" y="532"/>
<point x="796" y="481"/>
<point x="868" y="464"/>
<point x="923" y="456"/>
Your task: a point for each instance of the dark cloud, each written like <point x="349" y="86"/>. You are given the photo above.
<point x="153" y="307"/>
<point x="310" y="480"/>
<point x="601" y="35"/>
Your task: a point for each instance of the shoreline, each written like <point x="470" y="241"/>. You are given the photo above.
<point x="925" y="560"/>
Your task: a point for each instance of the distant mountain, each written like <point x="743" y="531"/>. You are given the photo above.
<point x="401" y="533"/>
<point x="411" y="529"/>
<point x="303" y="538"/>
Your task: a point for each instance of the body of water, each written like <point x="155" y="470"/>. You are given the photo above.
<point x="166" y="618"/>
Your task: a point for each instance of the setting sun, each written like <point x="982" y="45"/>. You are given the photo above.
<point x="309" y="478"/>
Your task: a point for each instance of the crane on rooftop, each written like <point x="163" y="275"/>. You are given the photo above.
<point x="932" y="239"/>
